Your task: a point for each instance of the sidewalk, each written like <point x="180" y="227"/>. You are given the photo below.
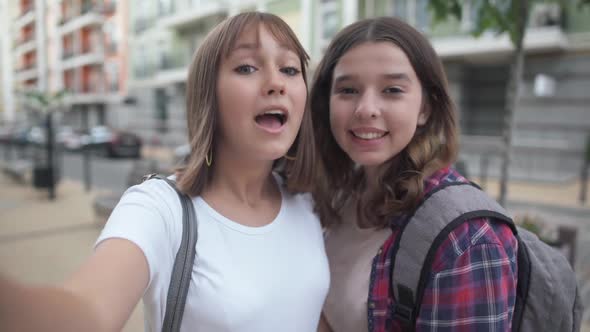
<point x="43" y="241"/>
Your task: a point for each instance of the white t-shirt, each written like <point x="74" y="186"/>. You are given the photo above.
<point x="269" y="278"/>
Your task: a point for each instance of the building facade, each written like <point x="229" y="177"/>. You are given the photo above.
<point x="91" y="60"/>
<point x="75" y="46"/>
<point x="552" y="119"/>
<point x="29" y="49"/>
<point x="6" y="96"/>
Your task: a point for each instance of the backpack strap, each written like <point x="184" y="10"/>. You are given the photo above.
<point x="441" y="211"/>
<point x="183" y="263"/>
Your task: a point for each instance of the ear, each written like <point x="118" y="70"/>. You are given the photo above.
<point x="424" y="114"/>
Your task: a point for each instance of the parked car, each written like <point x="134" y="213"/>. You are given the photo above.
<point x="71" y="139"/>
<point x="37" y="136"/>
<point x="112" y="143"/>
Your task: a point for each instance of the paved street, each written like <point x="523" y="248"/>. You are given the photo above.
<point x="42" y="241"/>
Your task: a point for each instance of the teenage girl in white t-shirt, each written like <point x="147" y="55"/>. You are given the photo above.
<point x="260" y="262"/>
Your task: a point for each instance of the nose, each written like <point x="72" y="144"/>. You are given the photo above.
<point x="275" y="84"/>
<point x="367" y="106"/>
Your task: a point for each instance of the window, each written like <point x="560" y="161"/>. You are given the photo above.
<point x="112" y="72"/>
<point x="400" y="9"/>
<point x="328" y="22"/>
<point x="414" y="12"/>
<point x="329" y="18"/>
<point x="483" y="100"/>
<point x="165" y="7"/>
<point x="112" y="36"/>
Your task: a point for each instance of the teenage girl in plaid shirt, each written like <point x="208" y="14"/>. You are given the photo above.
<point x="386" y="129"/>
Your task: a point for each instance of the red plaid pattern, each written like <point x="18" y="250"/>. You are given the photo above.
<point x="472" y="286"/>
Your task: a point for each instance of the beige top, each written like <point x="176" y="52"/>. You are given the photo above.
<point x="350" y="252"/>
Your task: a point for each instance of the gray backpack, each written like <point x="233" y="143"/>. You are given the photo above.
<point x="547" y="296"/>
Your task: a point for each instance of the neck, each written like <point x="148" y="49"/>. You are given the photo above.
<point x="371" y="176"/>
<point x="239" y="179"/>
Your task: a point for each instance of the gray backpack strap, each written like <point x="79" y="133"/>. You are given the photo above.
<point x="183" y="263"/>
<point x="439" y="213"/>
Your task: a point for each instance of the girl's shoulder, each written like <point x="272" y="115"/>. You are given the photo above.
<point x="476" y="234"/>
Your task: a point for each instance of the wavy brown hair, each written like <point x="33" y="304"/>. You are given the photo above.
<point x="202" y="106"/>
<point x="433" y="146"/>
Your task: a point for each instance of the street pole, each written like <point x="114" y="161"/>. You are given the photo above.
<point x="50" y="150"/>
<point x="86" y="154"/>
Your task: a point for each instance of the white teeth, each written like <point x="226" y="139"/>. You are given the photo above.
<point x="279" y="112"/>
<point x="369" y="135"/>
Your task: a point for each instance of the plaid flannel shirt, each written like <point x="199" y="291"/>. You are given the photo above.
<point x="472" y="286"/>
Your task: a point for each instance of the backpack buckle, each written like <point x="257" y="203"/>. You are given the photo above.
<point x="404" y="308"/>
<point x="403" y="314"/>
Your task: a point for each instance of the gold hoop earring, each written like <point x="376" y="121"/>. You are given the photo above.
<point x="209" y="159"/>
<point x="289" y="157"/>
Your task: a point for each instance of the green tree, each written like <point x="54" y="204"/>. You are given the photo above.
<point x="44" y="102"/>
<point x="501" y="16"/>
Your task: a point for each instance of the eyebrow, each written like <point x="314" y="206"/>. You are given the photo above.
<point x="391" y="76"/>
<point x="254" y="46"/>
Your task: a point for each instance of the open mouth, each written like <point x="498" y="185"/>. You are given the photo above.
<point x="271" y="119"/>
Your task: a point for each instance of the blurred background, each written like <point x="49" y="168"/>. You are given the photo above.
<point x="92" y="98"/>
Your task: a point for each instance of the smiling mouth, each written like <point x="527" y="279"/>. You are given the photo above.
<point x="368" y="135"/>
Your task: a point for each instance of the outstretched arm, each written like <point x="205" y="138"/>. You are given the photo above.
<point x="100" y="296"/>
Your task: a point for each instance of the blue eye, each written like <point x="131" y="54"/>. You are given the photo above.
<point x="245" y="69"/>
<point x="291" y="71"/>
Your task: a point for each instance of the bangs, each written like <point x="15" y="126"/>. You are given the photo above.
<point x="280" y="30"/>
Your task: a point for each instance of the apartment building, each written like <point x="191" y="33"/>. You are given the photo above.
<point x="76" y="46"/>
<point x="29" y="49"/>
<point x="90" y="50"/>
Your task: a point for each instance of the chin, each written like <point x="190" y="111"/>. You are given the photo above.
<point x="369" y="161"/>
<point x="274" y="154"/>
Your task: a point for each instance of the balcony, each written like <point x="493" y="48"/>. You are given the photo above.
<point x="143" y="71"/>
<point x="71" y="59"/>
<point x="24" y="46"/>
<point x="26" y="73"/>
<point x="143" y="23"/>
<point x="27" y="17"/>
<point x="171" y="68"/>
<point x="184" y="18"/>
<point x="87" y="16"/>
<point x="537" y="39"/>
<point x="94" y="93"/>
